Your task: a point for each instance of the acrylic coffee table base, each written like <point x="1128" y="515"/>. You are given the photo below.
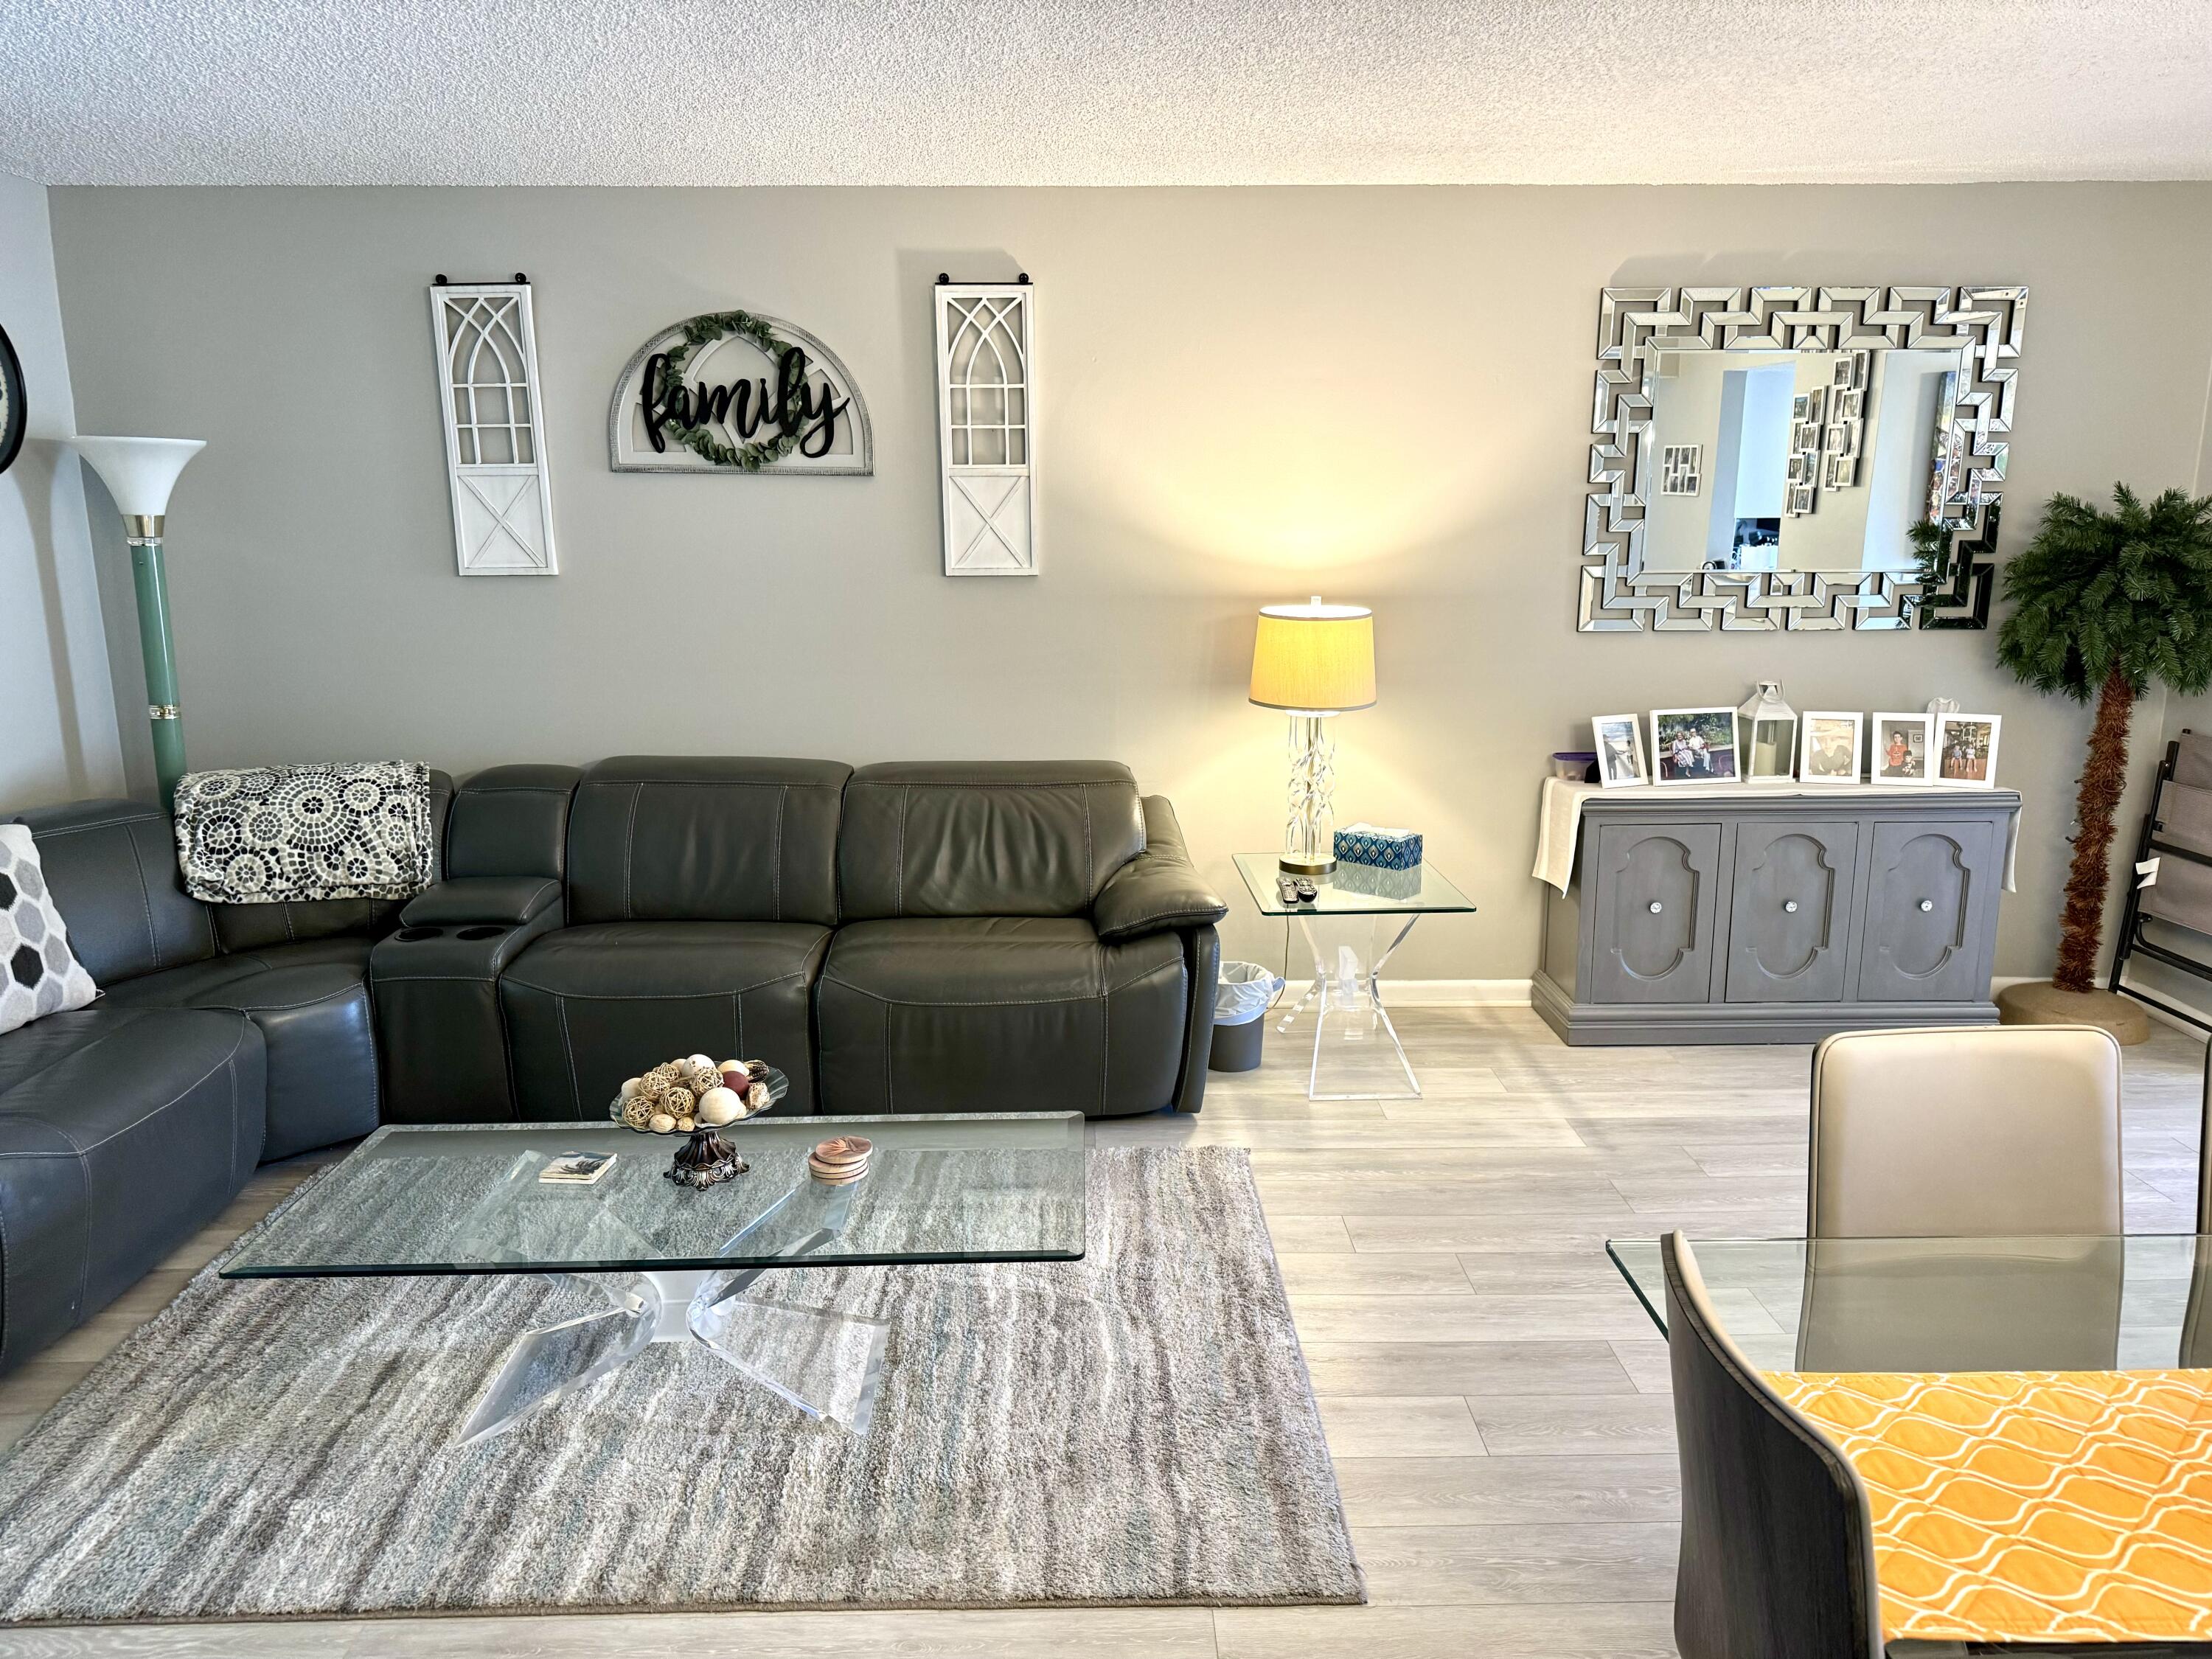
<point x="827" y="1365"/>
<point x="1352" y="1027"/>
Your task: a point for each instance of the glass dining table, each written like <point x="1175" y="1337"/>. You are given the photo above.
<point x="2137" y="1302"/>
<point x="1356" y="917"/>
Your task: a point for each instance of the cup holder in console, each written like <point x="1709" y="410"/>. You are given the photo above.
<point x="480" y="932"/>
<point x="410" y="934"/>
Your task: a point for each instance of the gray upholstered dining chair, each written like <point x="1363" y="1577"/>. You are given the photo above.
<point x="1952" y="1134"/>
<point x="1777" y="1536"/>
<point x="1965" y="1132"/>
<point x="1778" y="1542"/>
<point x="2196" y="1323"/>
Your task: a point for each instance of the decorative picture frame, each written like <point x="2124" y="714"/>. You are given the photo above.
<point x="1818" y="761"/>
<point x="1967" y="742"/>
<point x="1909" y="735"/>
<point x="1679" y="470"/>
<point x="1686" y="746"/>
<point x="1618" y="739"/>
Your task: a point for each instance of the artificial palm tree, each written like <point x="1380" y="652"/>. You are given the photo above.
<point x="2107" y="603"/>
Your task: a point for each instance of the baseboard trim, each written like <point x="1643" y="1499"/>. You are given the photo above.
<point x="1438" y="992"/>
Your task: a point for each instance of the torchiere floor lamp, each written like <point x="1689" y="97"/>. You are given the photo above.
<point x="139" y="473"/>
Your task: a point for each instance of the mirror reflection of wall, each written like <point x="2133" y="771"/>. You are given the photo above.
<point x="1793" y="460"/>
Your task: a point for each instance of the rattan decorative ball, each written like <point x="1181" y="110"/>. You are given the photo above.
<point x="637" y="1111"/>
<point x="663" y="1075"/>
<point x="677" y="1101"/>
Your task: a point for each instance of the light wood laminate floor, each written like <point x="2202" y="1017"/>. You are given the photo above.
<point x="1494" y="1396"/>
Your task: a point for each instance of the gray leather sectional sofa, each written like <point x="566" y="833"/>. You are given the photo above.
<point x="908" y="937"/>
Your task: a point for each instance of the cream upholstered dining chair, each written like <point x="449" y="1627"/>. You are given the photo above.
<point x="2007" y="1133"/>
<point x="1965" y="1132"/>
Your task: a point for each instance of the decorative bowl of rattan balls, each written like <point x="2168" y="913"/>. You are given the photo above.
<point x="696" y="1093"/>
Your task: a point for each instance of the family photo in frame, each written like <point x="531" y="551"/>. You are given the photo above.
<point x="1900" y="748"/>
<point x="1619" y="742"/>
<point x="1966" y="750"/>
<point x="1828" y="749"/>
<point x="1694" y="746"/>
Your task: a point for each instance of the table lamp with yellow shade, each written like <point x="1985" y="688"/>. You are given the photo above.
<point x="1313" y="661"/>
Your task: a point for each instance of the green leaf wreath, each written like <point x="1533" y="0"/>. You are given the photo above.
<point x="704" y="330"/>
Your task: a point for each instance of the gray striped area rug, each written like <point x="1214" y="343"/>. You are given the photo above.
<point x="1134" y="1427"/>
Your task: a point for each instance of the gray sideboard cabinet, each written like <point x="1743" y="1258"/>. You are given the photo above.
<point x="1697" y="918"/>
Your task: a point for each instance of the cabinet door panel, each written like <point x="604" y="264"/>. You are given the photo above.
<point x="1653" y="938"/>
<point x="1790" y="913"/>
<point x="1929" y="893"/>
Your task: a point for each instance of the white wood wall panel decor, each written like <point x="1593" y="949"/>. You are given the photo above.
<point x="736" y="392"/>
<point x="494" y="433"/>
<point x="985" y="429"/>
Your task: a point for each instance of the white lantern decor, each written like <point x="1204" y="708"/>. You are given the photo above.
<point x="1770" y="734"/>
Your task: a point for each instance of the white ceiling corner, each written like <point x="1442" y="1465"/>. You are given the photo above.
<point x="1092" y="92"/>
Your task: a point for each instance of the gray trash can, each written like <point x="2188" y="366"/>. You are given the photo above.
<point x="1239" y="1015"/>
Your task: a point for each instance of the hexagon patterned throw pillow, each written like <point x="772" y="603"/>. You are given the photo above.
<point x="39" y="973"/>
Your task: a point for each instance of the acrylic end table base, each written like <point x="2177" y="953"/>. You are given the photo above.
<point x="1357" y="918"/>
<point x="828" y="1365"/>
<point x="1357" y="1054"/>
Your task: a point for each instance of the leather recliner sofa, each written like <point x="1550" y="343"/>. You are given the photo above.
<point x="906" y="937"/>
<point x="913" y="937"/>
<point x="225" y="1036"/>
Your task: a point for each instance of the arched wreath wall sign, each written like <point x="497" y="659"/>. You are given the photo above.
<point x="738" y="392"/>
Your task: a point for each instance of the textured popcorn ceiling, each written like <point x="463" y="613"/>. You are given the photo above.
<point x="941" y="92"/>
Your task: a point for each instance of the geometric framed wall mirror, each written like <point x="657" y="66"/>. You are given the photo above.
<point x="1760" y="458"/>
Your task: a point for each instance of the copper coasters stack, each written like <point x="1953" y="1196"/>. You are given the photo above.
<point x="840" y="1162"/>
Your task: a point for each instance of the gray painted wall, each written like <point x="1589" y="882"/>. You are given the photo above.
<point x="1246" y="395"/>
<point x="57" y="726"/>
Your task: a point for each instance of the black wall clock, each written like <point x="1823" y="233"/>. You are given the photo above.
<point x="11" y="402"/>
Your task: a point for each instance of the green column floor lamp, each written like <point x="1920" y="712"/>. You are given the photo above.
<point x="1313" y="661"/>
<point x="139" y="473"/>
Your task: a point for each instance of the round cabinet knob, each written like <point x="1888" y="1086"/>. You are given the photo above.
<point x="1927" y="904"/>
<point x="1657" y="906"/>
<point x="1791" y="906"/>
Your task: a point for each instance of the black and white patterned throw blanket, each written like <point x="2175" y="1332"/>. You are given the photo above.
<point x="272" y="835"/>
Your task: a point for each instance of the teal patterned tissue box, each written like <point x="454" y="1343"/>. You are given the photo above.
<point x="1384" y="850"/>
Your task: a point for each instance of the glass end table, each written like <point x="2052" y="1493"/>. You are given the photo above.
<point x="1358" y="916"/>
<point x="677" y="1265"/>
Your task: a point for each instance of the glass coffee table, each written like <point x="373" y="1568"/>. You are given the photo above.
<point x="675" y="1264"/>
<point x="1356" y="917"/>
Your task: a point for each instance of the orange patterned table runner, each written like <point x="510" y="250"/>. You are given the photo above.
<point x="2024" y="1506"/>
